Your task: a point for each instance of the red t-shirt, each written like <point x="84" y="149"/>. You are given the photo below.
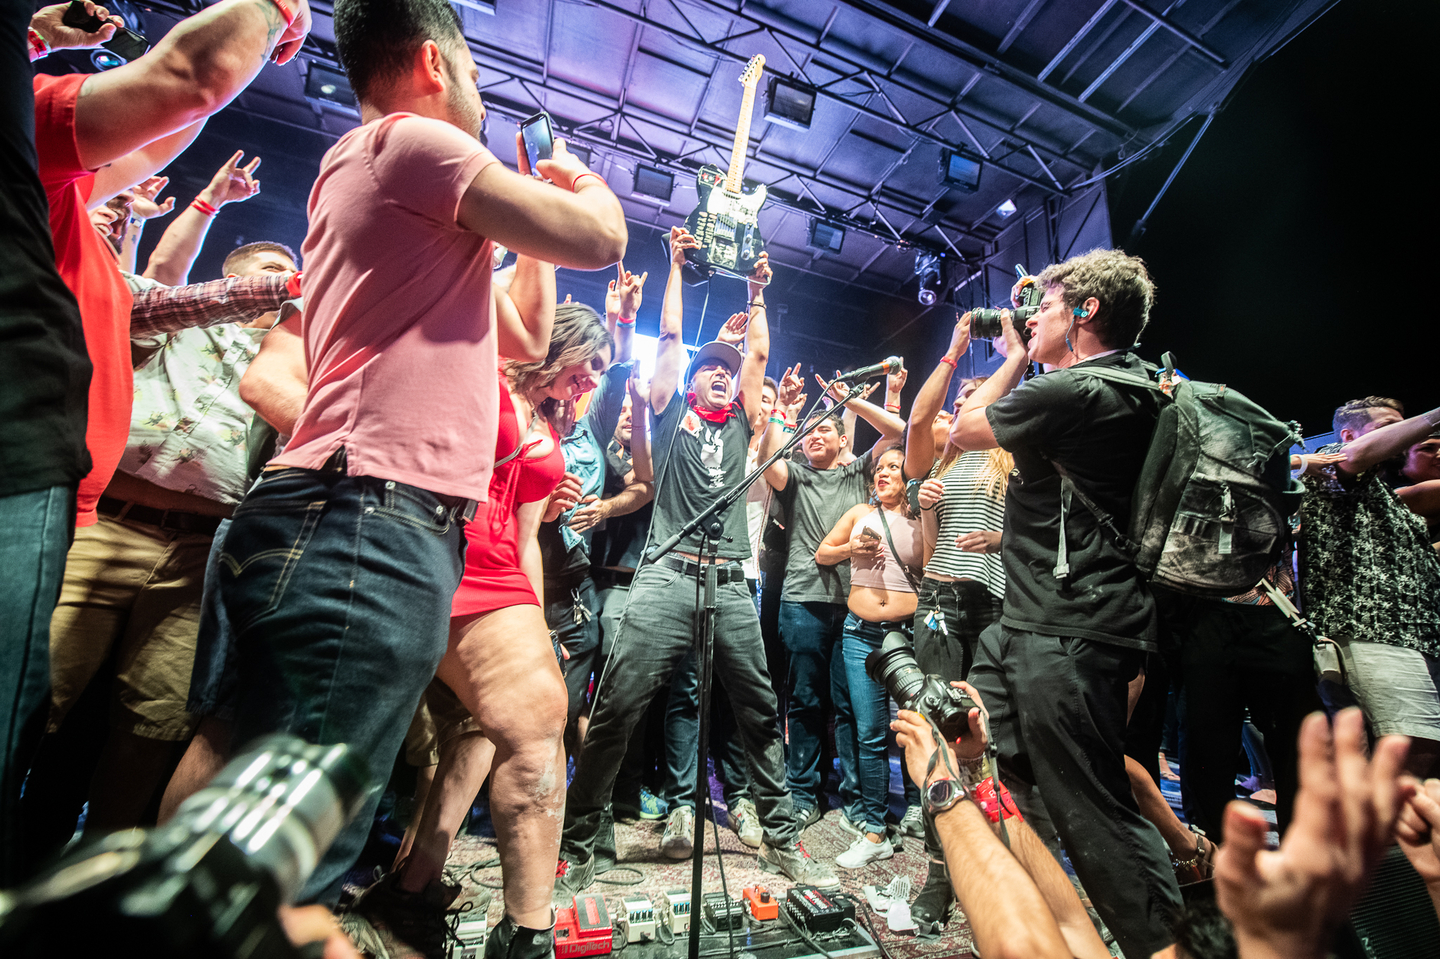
<point x="88" y="267"/>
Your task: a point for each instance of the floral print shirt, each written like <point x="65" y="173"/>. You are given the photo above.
<point x="1367" y="569"/>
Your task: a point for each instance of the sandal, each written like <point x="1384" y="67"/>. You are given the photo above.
<point x="1200" y="866"/>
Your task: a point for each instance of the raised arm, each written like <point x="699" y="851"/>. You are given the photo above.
<point x="920" y="449"/>
<point x="889" y="424"/>
<point x="757" y="339"/>
<point x="276" y="381"/>
<point x="174" y="255"/>
<point x="779" y="425"/>
<point x="1377" y="446"/>
<point x="574" y="220"/>
<point x="525" y="312"/>
<point x="622" y="303"/>
<point x="195" y="69"/>
<point x="670" y="352"/>
<point x="970" y="430"/>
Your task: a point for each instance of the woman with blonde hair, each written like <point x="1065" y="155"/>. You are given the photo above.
<point x="962" y="501"/>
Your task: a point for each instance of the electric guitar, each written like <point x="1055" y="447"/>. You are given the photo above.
<point x="724" y="221"/>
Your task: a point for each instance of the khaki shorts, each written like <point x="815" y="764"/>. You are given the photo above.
<point x="131" y="597"/>
<point x="1397" y="687"/>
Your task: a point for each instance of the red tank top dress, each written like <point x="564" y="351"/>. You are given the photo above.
<point x="493" y="578"/>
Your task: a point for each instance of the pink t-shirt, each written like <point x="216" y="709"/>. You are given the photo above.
<point x="399" y="322"/>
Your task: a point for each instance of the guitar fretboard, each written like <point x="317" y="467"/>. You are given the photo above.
<point x="733" y="176"/>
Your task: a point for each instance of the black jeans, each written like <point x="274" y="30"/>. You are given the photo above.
<point x="1233" y="657"/>
<point x="572" y="611"/>
<point x="1057" y="714"/>
<point x="656" y="631"/>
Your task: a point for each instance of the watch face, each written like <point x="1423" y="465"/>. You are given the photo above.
<point x="941" y="794"/>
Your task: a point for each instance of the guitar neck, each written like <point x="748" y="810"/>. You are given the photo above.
<point x="742" y="139"/>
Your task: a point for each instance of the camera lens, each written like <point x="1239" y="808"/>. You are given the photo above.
<point x="893" y="666"/>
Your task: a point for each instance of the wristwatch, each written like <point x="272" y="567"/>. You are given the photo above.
<point x="942" y="794"/>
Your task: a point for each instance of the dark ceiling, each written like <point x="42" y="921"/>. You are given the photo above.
<point x="1049" y="94"/>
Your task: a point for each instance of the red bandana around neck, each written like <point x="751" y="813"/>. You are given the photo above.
<point x="713" y="416"/>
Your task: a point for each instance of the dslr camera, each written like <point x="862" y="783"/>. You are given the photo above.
<point x="986" y="324"/>
<point x="893" y="666"/>
<point x="208" y="882"/>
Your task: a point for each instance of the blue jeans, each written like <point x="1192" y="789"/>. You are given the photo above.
<point x="811" y="632"/>
<point x="35" y="532"/>
<point x="864" y="750"/>
<point x="338" y="590"/>
<point x="212" y="679"/>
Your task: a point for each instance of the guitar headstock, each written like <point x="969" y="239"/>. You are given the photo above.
<point x="751" y="76"/>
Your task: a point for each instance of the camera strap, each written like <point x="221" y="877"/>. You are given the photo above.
<point x="894" y="553"/>
<point x="1328" y="662"/>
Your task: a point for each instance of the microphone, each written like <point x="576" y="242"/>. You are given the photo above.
<point x="883" y="368"/>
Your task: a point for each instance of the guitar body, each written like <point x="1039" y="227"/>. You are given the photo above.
<point x="727" y="226"/>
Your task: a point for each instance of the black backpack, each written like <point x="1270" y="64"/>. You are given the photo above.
<point x="1212" y="505"/>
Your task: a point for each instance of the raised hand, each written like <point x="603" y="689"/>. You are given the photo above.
<point x="1286" y="902"/>
<point x="232" y="183"/>
<point x="143" y="205"/>
<point x="733" y="332"/>
<point x="931" y="492"/>
<point x="790" y="386"/>
<point x="680" y="241"/>
<point x="623" y="296"/>
<point x="959" y="338"/>
<point x="49" y="23"/>
<point x="760" y="277"/>
<point x="835" y="389"/>
<point x="293" y="36"/>
<point x="895" y="382"/>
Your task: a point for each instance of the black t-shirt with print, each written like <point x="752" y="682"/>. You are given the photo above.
<point x="1100" y="433"/>
<point x="814" y="500"/>
<point x="695" y="461"/>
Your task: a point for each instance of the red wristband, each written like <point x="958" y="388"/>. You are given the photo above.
<point x="285" y="12"/>
<point x="39" y="46"/>
<point x="292" y="285"/>
<point x="949" y="362"/>
<point x="203" y="207"/>
<point x="583" y="176"/>
<point x="892" y="409"/>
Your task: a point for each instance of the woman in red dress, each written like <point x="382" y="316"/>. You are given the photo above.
<point x="509" y="699"/>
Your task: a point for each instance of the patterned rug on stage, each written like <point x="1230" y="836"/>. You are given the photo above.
<point x="644" y="870"/>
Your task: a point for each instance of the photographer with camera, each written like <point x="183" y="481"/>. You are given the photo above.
<point x="1078" y="619"/>
<point x="1018" y="900"/>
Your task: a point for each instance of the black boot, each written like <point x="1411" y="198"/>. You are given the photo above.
<point x="508" y="940"/>
<point x="932" y="906"/>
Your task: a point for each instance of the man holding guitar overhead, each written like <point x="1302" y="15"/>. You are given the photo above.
<point x="723" y="223"/>
<point x="700" y="440"/>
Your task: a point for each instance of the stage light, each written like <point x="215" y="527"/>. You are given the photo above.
<point x="479" y="6"/>
<point x="789" y="103"/>
<point x="960" y="170"/>
<point x="654" y="182"/>
<point x="927" y="268"/>
<point x="825" y="237"/>
<point x="329" y="85"/>
<point x="1006" y="209"/>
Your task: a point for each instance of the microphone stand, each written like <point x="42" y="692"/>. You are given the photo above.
<point x="711" y="527"/>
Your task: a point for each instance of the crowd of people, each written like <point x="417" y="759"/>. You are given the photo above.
<point x="408" y="501"/>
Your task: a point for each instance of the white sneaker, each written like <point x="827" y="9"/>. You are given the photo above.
<point x="678" y="841"/>
<point x="862" y="852"/>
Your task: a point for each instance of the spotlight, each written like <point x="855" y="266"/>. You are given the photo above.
<point x="825" y="237"/>
<point x="960" y="170"/>
<point x="927" y="268"/>
<point x="479" y="6"/>
<point x="329" y="85"/>
<point x="653" y="182"/>
<point x="1006" y="209"/>
<point x="789" y="103"/>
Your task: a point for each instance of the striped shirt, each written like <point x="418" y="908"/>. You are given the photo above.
<point x="965" y="508"/>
